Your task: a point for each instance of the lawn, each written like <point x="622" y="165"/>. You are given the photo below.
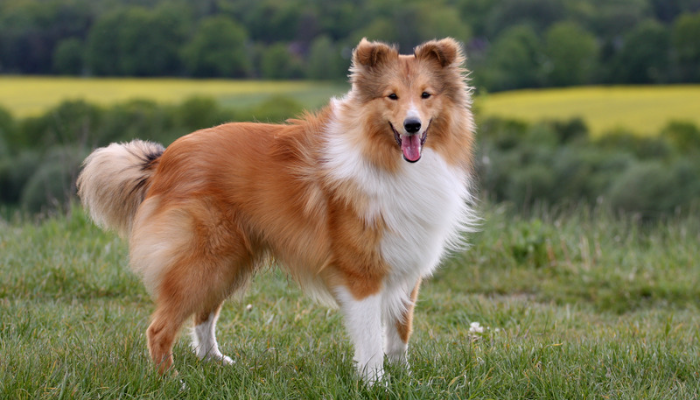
<point x="641" y="109"/>
<point x="577" y="304"/>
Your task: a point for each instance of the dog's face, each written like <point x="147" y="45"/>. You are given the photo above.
<point x="407" y="95"/>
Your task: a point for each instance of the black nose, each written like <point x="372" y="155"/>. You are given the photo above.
<point x="411" y="125"/>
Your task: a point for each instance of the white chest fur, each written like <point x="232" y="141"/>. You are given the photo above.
<point x="425" y="206"/>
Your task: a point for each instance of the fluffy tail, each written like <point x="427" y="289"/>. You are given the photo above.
<point x="114" y="182"/>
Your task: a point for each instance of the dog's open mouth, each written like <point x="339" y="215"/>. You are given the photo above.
<point x="411" y="145"/>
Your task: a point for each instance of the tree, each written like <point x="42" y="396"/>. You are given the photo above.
<point x="572" y="54"/>
<point x="515" y="60"/>
<point x="68" y="57"/>
<point x="137" y="42"/>
<point x="279" y="63"/>
<point x="644" y="56"/>
<point x="217" y="49"/>
<point x="686" y="31"/>
<point x="150" y="41"/>
<point x="103" y="51"/>
<point x="325" y="61"/>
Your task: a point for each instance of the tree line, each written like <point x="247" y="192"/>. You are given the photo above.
<point x="510" y="44"/>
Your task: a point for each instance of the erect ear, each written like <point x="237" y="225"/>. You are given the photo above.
<point x="372" y="54"/>
<point x="446" y="52"/>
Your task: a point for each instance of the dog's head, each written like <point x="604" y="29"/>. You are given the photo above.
<point x="408" y="95"/>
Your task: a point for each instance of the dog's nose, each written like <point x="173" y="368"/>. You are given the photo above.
<point x="411" y="125"/>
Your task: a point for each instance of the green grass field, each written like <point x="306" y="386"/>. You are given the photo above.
<point x="578" y="305"/>
<point x="641" y="109"/>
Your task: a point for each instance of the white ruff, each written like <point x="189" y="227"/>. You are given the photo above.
<point x="425" y="205"/>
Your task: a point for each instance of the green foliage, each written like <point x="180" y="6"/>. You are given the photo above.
<point x="325" y="61"/>
<point x="686" y="30"/>
<point x="279" y="63"/>
<point x="636" y="41"/>
<point x="684" y="136"/>
<point x="275" y="109"/>
<point x="515" y="60"/>
<point x="217" y="49"/>
<point x="68" y="57"/>
<point x="572" y="54"/>
<point x="53" y="182"/>
<point x="644" y="57"/>
<point x="7" y="131"/>
<point x="556" y="163"/>
<point x="71" y="122"/>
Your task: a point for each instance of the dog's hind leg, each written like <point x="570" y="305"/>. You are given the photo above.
<point x="204" y="336"/>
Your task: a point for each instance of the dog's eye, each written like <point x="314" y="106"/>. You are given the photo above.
<point x="424" y="95"/>
<point x="393" y="96"/>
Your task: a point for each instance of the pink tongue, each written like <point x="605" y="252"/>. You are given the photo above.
<point x="410" y="145"/>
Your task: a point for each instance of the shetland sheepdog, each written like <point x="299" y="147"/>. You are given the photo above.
<point x="357" y="202"/>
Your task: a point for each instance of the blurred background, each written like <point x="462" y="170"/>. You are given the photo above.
<point x="591" y="102"/>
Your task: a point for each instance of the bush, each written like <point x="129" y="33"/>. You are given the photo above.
<point x="143" y="119"/>
<point x="531" y="183"/>
<point x="683" y="136"/>
<point x="274" y="109"/>
<point x="14" y="173"/>
<point x="200" y="112"/>
<point x="71" y="122"/>
<point x="53" y="182"/>
<point x="7" y="131"/>
<point x="641" y="147"/>
<point x="653" y="188"/>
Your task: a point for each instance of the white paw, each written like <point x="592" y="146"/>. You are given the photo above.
<point x="215" y="356"/>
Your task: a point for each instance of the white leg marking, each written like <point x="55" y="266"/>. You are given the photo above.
<point x="204" y="341"/>
<point x="395" y="348"/>
<point x="364" y="324"/>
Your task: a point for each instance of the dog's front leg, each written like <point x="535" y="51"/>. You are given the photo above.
<point x="363" y="318"/>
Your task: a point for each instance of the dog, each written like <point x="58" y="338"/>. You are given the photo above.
<point x="358" y="203"/>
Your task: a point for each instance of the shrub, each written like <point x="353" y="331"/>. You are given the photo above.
<point x="653" y="188"/>
<point x="531" y="183"/>
<point x="7" y="131"/>
<point x="199" y="112"/>
<point x="274" y="109"/>
<point x="642" y="147"/>
<point x="683" y="136"/>
<point x="14" y="173"/>
<point x="71" y="122"/>
<point x="53" y="182"/>
<point x="143" y="119"/>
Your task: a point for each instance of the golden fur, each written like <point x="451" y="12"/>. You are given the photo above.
<point x="202" y="216"/>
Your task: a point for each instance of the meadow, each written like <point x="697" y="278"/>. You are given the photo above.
<point x="29" y="96"/>
<point x="576" y="303"/>
<point x="640" y="109"/>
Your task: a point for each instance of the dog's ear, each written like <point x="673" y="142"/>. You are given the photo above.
<point x="372" y="54"/>
<point x="446" y="52"/>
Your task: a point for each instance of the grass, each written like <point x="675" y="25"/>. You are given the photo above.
<point x="28" y="96"/>
<point x="579" y="304"/>
<point x="641" y="109"/>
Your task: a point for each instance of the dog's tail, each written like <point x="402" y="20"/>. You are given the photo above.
<point x="114" y="182"/>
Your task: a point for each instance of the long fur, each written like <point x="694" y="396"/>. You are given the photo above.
<point x="332" y="197"/>
<point x="114" y="182"/>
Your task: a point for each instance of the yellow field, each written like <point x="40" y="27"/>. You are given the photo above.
<point x="642" y="109"/>
<point x="25" y="96"/>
